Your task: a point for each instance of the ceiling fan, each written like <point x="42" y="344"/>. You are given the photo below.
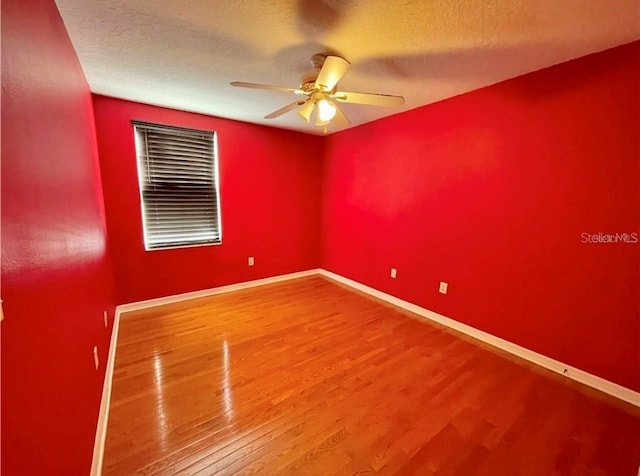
<point x="319" y="96"/>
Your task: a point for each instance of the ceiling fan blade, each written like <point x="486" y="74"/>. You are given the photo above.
<point x="368" y="98"/>
<point x="240" y="84"/>
<point x="283" y="110"/>
<point x="333" y="69"/>
<point x="306" y="110"/>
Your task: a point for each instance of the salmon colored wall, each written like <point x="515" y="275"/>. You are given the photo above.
<point x="270" y="196"/>
<point x="56" y="277"/>
<point x="491" y="192"/>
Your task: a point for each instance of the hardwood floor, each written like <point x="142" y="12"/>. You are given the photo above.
<point x="306" y="377"/>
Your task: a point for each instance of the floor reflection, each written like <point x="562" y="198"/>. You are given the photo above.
<point x="161" y="414"/>
<point x="227" y="392"/>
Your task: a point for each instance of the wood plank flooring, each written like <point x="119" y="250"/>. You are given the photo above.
<point x="307" y="377"/>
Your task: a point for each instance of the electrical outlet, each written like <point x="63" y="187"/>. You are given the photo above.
<point x="443" y="287"/>
<point x="394" y="273"/>
<point x="95" y="356"/>
<point x="106" y="319"/>
<point x="251" y="261"/>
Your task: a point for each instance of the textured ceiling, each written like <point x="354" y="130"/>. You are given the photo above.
<point x="183" y="54"/>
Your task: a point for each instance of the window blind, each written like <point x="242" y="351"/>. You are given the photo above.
<point x="178" y="174"/>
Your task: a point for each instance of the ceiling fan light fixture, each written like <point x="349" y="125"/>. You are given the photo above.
<point x="305" y="111"/>
<point x="326" y="110"/>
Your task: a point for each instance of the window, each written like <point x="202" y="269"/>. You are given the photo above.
<point x="178" y="174"/>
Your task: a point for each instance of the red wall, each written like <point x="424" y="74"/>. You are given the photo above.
<point x="56" y="279"/>
<point x="491" y="191"/>
<point x="270" y="196"/>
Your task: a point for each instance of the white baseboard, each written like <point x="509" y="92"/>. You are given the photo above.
<point x="574" y="373"/>
<point x="136" y="306"/>
<point x="103" y="417"/>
